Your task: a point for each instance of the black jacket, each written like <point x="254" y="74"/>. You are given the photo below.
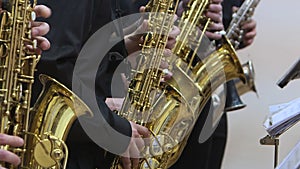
<point x="72" y="22"/>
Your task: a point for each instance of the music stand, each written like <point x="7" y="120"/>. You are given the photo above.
<point x="291" y="74"/>
<point x="269" y="140"/>
<point x="292" y="160"/>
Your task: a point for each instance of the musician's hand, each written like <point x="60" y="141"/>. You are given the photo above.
<point x="7" y="156"/>
<point x="39" y="29"/>
<point x="130" y="159"/>
<point x="214" y="12"/>
<point x="134" y="39"/>
<point x="181" y="7"/>
<point x="249" y="28"/>
<point x="114" y="103"/>
<point x="172" y="36"/>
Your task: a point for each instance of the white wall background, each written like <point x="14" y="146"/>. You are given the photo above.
<point x="275" y="49"/>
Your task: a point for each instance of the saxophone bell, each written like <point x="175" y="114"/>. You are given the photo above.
<point x="52" y="117"/>
<point x="249" y="72"/>
<point x="200" y="81"/>
<point x="45" y="127"/>
<point x="237" y="88"/>
<point x="233" y="100"/>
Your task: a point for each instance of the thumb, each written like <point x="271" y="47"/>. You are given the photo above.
<point x="180" y="9"/>
<point x="142" y="28"/>
<point x="235" y="9"/>
<point x="142" y="130"/>
<point x="142" y="9"/>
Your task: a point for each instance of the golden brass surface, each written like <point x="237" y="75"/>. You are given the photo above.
<point x="17" y="66"/>
<point x="51" y="118"/>
<point x="190" y="36"/>
<point x="236" y="36"/>
<point x="196" y="88"/>
<point x="170" y="108"/>
<point x="45" y="127"/>
<point x="243" y="88"/>
<point x="196" y="72"/>
<point x="144" y="88"/>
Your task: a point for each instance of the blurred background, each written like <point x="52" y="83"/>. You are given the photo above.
<point x="275" y="49"/>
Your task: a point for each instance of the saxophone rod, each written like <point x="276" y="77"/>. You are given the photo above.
<point x="199" y="43"/>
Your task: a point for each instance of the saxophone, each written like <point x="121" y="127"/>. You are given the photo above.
<point x="244" y="12"/>
<point x="200" y="72"/>
<point x="144" y="88"/>
<point x="170" y="109"/>
<point x="233" y="101"/>
<point x="198" y="69"/>
<point x="17" y="67"/>
<point x="45" y="126"/>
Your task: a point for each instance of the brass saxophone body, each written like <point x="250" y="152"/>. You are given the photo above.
<point x="244" y="12"/>
<point x="16" y="69"/>
<point x="249" y="72"/>
<point x="170" y="109"/>
<point x="51" y="118"/>
<point x="193" y="90"/>
<point x="44" y="127"/>
<point x="144" y="89"/>
<point x="190" y="37"/>
<point x="197" y="73"/>
<point x="233" y="32"/>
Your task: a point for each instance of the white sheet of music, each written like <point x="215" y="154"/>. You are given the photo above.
<point x="292" y="160"/>
<point x="282" y="116"/>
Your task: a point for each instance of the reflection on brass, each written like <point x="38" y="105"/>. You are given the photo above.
<point x="145" y="88"/>
<point x="17" y="66"/>
<point x="44" y="127"/>
<point x="193" y="90"/>
<point x="243" y="88"/>
<point x="51" y="119"/>
<point x="236" y="35"/>
<point x="170" y="108"/>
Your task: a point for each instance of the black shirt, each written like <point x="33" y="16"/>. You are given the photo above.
<point x="72" y="22"/>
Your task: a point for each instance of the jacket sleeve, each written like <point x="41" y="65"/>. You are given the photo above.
<point x="71" y="24"/>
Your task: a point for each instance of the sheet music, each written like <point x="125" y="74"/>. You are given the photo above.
<point x="292" y="160"/>
<point x="282" y="117"/>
